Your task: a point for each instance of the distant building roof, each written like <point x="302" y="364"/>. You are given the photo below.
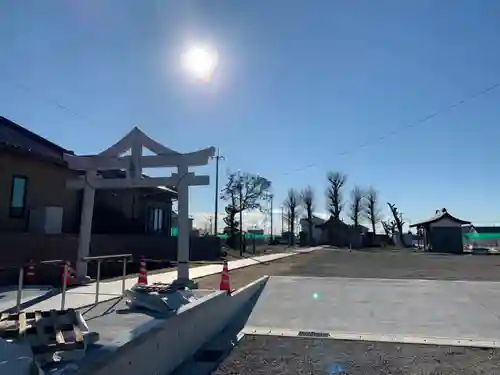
<point x="440" y="215"/>
<point x="328" y="222"/>
<point x="486" y="229"/>
<point x="315" y="219"/>
<point x="331" y="221"/>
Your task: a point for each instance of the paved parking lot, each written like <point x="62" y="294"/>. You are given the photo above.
<point x="358" y="303"/>
<point x="416" y="311"/>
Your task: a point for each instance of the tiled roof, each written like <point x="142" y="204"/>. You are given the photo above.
<point x="440" y="214"/>
<point x="20" y="138"/>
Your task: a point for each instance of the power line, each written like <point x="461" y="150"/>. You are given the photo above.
<point x="427" y="118"/>
<point x="51" y="101"/>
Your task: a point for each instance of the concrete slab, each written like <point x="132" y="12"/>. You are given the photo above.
<point x="117" y="326"/>
<point x="115" y="322"/>
<point x="413" y="311"/>
<point x="138" y="343"/>
<point x="85" y="295"/>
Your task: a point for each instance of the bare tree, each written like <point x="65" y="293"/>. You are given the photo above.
<point x="356" y="207"/>
<point x="291" y="205"/>
<point x="243" y="191"/>
<point x="389" y="227"/>
<point x="398" y="219"/>
<point x="307" y="198"/>
<point x="372" y="208"/>
<point x="336" y="181"/>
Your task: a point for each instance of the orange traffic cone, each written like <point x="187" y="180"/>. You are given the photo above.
<point x="66" y="277"/>
<point x="143" y="273"/>
<point x="224" y="280"/>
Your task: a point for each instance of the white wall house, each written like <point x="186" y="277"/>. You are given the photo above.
<point x="316" y="233"/>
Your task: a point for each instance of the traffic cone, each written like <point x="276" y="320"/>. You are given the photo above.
<point x="143" y="273"/>
<point x="66" y="277"/>
<point x="224" y="280"/>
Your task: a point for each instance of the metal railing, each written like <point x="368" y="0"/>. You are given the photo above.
<point x="20" y="280"/>
<point x="99" y="260"/>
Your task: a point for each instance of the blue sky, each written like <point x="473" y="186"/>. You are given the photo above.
<point x="299" y="83"/>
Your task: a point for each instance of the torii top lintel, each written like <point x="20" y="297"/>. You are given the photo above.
<point x="136" y="139"/>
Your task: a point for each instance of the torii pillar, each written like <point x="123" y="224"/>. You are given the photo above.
<point x="111" y="159"/>
<point x="183" y="235"/>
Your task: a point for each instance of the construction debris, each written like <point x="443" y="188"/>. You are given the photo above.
<point x="158" y="297"/>
<point x="52" y="336"/>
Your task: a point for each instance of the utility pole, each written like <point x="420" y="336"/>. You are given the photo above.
<point x="240" y="186"/>
<point x="210" y="222"/>
<point x="271" y="197"/>
<point x="216" y="214"/>
<point x="282" y="221"/>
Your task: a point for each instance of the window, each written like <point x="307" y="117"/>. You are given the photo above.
<point x="18" y="196"/>
<point x="155" y="220"/>
<point x="158" y="220"/>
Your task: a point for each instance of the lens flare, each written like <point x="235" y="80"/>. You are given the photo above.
<point x="200" y="62"/>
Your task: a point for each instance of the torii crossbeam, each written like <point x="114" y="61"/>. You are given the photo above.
<point x="111" y="159"/>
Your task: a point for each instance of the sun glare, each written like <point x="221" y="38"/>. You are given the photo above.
<point x="200" y="62"/>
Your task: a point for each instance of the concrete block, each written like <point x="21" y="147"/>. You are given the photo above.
<point x="17" y="359"/>
<point x="164" y="344"/>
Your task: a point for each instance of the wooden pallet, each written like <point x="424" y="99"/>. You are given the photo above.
<point x="46" y="331"/>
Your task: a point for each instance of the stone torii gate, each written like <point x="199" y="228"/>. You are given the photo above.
<point x="111" y="159"/>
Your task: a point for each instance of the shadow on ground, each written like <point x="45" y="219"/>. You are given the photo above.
<point x="31" y="302"/>
<point x="218" y="348"/>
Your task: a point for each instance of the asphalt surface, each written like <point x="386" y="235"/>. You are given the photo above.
<point x="260" y="354"/>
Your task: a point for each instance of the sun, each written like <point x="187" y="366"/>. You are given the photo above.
<point x="200" y="62"/>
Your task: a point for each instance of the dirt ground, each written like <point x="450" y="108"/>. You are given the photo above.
<point x="370" y="263"/>
<point x="401" y="264"/>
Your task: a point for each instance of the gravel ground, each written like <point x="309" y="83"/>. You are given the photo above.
<point x="400" y="264"/>
<point x="272" y="355"/>
<point x="279" y="355"/>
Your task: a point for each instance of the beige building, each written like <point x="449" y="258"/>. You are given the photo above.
<point x="34" y="197"/>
